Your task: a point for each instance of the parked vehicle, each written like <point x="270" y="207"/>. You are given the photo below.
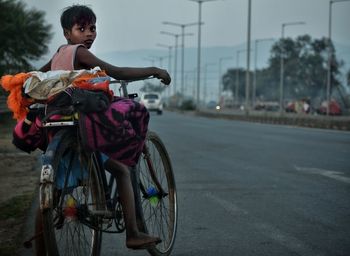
<point x="298" y="106"/>
<point x="213" y="105"/>
<point x="267" y="106"/>
<point x="152" y="101"/>
<point x="334" y="108"/>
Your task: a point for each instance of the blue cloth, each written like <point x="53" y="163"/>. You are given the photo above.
<point x="77" y="173"/>
<point x="104" y="158"/>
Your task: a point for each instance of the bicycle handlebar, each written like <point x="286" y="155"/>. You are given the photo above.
<point x="132" y="80"/>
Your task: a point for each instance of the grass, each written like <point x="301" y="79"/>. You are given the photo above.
<point x="12" y="214"/>
<point x="15" y="207"/>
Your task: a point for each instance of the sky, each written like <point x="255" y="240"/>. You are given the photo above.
<point x="126" y="25"/>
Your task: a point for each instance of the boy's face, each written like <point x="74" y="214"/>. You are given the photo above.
<point x="81" y="34"/>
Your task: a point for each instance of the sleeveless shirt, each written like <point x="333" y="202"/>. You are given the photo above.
<point x="64" y="57"/>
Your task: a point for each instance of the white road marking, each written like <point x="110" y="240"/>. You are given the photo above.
<point x="339" y="176"/>
<point x="228" y="206"/>
<point x="267" y="230"/>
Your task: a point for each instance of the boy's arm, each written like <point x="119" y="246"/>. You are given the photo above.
<point x="84" y="59"/>
<point x="46" y="67"/>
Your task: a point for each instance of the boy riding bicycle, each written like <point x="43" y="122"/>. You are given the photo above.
<point x="79" y="28"/>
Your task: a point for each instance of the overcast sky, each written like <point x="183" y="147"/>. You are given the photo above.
<point x="124" y="25"/>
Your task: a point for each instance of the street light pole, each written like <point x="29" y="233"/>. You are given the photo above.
<point x="255" y="67"/>
<point x="237" y="74"/>
<point x="247" y="81"/>
<point x="205" y="80"/>
<point x="330" y="54"/>
<point x="183" y="26"/>
<point x="176" y="36"/>
<point x="175" y="58"/>
<point x="169" y="47"/>
<point x="151" y="60"/>
<point x="160" y="59"/>
<point x="220" y="71"/>
<point x="282" y="60"/>
<point x="200" y="2"/>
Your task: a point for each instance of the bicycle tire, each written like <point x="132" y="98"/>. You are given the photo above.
<point x="159" y="216"/>
<point x="67" y="228"/>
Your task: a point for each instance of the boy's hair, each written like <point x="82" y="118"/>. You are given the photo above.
<point x="77" y="14"/>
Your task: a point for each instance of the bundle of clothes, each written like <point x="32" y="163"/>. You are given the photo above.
<point x="26" y="89"/>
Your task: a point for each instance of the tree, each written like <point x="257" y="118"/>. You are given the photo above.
<point x="305" y="66"/>
<point x="305" y="70"/>
<point x="24" y="36"/>
<point x="234" y="81"/>
<point x="150" y="87"/>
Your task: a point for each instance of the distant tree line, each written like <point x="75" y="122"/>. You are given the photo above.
<point x="24" y="37"/>
<point x="305" y="71"/>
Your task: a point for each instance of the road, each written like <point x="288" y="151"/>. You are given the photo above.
<point x="255" y="189"/>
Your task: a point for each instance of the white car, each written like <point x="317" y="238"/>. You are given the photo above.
<point x="152" y="101"/>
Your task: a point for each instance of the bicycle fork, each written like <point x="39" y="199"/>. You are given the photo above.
<point x="154" y="178"/>
<point x="45" y="190"/>
<point x="47" y="171"/>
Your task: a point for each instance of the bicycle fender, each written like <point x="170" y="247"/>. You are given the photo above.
<point x="47" y="171"/>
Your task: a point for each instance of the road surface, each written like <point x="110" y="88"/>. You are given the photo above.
<point x="255" y="189"/>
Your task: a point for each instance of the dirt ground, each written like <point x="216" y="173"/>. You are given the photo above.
<point x="19" y="177"/>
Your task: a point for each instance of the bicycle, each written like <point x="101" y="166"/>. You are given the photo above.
<point x="79" y="200"/>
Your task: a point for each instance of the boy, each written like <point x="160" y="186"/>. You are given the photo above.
<point x="79" y="28"/>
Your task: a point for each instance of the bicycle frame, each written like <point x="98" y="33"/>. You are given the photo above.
<point x="107" y="211"/>
<point x="47" y="175"/>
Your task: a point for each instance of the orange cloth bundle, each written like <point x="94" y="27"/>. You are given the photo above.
<point x="83" y="82"/>
<point x="19" y="104"/>
<point x="15" y="101"/>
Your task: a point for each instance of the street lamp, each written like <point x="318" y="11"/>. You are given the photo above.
<point x="220" y="80"/>
<point x="237" y="74"/>
<point x="151" y="60"/>
<point x="183" y="26"/>
<point x="200" y="2"/>
<point x="205" y="80"/>
<point x="169" y="47"/>
<point x="328" y="90"/>
<point x="282" y="60"/>
<point x="160" y="59"/>
<point x="255" y="67"/>
<point x="247" y="81"/>
<point x="176" y="36"/>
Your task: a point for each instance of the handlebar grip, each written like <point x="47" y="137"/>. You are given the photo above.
<point x="131" y="80"/>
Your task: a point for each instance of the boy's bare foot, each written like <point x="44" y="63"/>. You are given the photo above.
<point x="142" y="241"/>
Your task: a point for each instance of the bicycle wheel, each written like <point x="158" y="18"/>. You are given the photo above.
<point x="157" y="194"/>
<point x="68" y="225"/>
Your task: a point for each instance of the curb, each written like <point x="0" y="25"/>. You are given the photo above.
<point x="301" y="120"/>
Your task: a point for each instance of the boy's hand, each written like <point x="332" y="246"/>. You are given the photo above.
<point x="163" y="75"/>
<point x="32" y="114"/>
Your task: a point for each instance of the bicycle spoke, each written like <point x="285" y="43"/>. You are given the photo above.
<point x="69" y="227"/>
<point x="158" y="195"/>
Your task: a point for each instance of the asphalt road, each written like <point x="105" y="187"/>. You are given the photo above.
<point x="255" y="189"/>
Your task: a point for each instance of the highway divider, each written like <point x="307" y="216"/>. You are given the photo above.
<point x="303" y="120"/>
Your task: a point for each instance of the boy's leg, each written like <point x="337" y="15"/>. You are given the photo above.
<point x="137" y="198"/>
<point x="134" y="238"/>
